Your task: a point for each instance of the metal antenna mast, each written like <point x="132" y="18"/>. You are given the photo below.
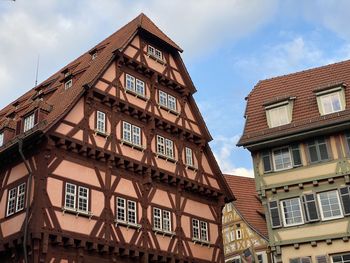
<point x="37" y="71"/>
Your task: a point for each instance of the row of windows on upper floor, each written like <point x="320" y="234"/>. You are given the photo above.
<point x="328" y="101"/>
<point x="335" y="258"/>
<point x="77" y="200"/>
<point x="289" y="156"/>
<point x="311" y="207"/>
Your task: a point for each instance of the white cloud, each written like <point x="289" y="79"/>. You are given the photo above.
<point x="61" y="30"/>
<point x="225" y="151"/>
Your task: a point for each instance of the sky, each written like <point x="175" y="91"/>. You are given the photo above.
<point x="229" y="45"/>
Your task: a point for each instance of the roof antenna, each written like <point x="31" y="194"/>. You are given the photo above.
<point x="37" y="71"/>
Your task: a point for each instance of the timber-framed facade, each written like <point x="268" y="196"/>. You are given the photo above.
<point x="114" y="158"/>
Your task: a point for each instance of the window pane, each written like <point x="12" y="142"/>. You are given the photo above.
<point x="323" y="151"/>
<point x="292" y="211"/>
<point x="160" y="145"/>
<point x="140" y="87"/>
<point x="29" y="122"/>
<point x="11" y="202"/>
<point x="136" y="135"/>
<point x="127" y="131"/>
<point x="132" y="212"/>
<point x="313" y="152"/>
<point x="101" y="122"/>
<point x="282" y="159"/>
<point x="189" y="157"/>
<point x="171" y="102"/>
<point x="163" y="98"/>
<point x="166" y="221"/>
<point x="195" y="228"/>
<point x="70" y="196"/>
<point x="169" y="148"/>
<point x="130" y="82"/>
<point x="157" y="219"/>
<point x="83" y="195"/>
<point x="204" y="231"/>
<point x="21" y="190"/>
<point x="1" y="139"/>
<point x="121" y="209"/>
<point x="296" y="155"/>
<point x="330" y="206"/>
<point x="278" y="116"/>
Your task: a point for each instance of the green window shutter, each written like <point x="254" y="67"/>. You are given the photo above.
<point x="345" y="197"/>
<point x="310" y="207"/>
<point x="296" y="155"/>
<point x="294" y="260"/>
<point x="266" y="157"/>
<point x="275" y="214"/>
<point x="305" y="260"/>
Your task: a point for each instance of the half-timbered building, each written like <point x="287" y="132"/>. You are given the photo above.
<point x="297" y="130"/>
<point x="244" y="226"/>
<point x="108" y="160"/>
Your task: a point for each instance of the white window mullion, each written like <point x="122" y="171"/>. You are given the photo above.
<point x="1" y="139"/>
<point x="157" y="219"/>
<point x="21" y="190"/>
<point x="121" y="209"/>
<point x="166" y="221"/>
<point x="83" y="198"/>
<point x="130" y="83"/>
<point x="29" y="122"/>
<point x="136" y="135"/>
<point x="132" y="212"/>
<point x="160" y="145"/>
<point x="127" y="132"/>
<point x="11" y="201"/>
<point x="101" y="122"/>
<point x="163" y="98"/>
<point x="169" y="148"/>
<point x="189" y="156"/>
<point x="195" y="228"/>
<point x="204" y="231"/>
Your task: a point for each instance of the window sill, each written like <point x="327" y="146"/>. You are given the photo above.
<point x="169" y="110"/>
<point x="161" y="61"/>
<point x="100" y="133"/>
<point x="166" y="158"/>
<point x="132" y="145"/>
<point x="201" y="242"/>
<point x="77" y="212"/>
<point x="127" y="224"/>
<point x="331" y="218"/>
<point x="140" y="96"/>
<point x="164" y="232"/>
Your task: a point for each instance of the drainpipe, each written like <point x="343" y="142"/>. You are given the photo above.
<point x="29" y="188"/>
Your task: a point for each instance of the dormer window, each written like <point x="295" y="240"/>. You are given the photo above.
<point x="68" y="84"/>
<point x="94" y="55"/>
<point x="279" y="114"/>
<point x="156" y="53"/>
<point x="29" y="122"/>
<point x="331" y="100"/>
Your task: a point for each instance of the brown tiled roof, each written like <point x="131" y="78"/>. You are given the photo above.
<point x="84" y="69"/>
<point x="247" y="202"/>
<point x="301" y="86"/>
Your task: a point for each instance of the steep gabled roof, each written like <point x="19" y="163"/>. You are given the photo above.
<point x="86" y="70"/>
<point x="247" y="203"/>
<point x="302" y="86"/>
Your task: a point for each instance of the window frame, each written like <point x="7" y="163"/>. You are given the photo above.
<point x="127" y="200"/>
<point x="68" y="84"/>
<point x="165" y="100"/>
<point x="321" y="208"/>
<point x="287" y="104"/>
<point x="166" y="148"/>
<point x="161" y="219"/>
<point x="284" y="221"/>
<point x="151" y="50"/>
<point x="104" y="122"/>
<point x="134" y="89"/>
<point x="131" y="133"/>
<point x="15" y="199"/>
<point x="32" y="122"/>
<point x="274" y="159"/>
<point x="339" y="91"/>
<point x="317" y="144"/>
<point x="200" y="228"/>
<point x="189" y="156"/>
<point x="76" y="198"/>
<point x="339" y="255"/>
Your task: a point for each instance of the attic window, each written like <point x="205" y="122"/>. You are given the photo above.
<point x="279" y="114"/>
<point x="29" y="122"/>
<point x="68" y="84"/>
<point x="156" y="53"/>
<point x="94" y="55"/>
<point x="331" y="100"/>
<point x="1" y="139"/>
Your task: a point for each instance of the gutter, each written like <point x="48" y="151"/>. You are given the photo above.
<point x="29" y="188"/>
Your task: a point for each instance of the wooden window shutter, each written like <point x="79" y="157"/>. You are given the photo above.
<point x="19" y="127"/>
<point x="310" y="207"/>
<point x="296" y="155"/>
<point x="275" y="214"/>
<point x="266" y="157"/>
<point x="345" y="197"/>
<point x="294" y="260"/>
<point x="322" y="259"/>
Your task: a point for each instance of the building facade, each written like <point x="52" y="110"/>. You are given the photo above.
<point x="244" y="230"/>
<point x="297" y="130"/>
<point x="108" y="161"/>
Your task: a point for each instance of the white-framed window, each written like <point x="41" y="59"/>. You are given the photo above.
<point x="282" y="159"/>
<point x="131" y="133"/>
<point x="331" y="102"/>
<point x="76" y="198"/>
<point x="165" y="147"/>
<point x="94" y="55"/>
<point x="168" y="101"/>
<point x="16" y="199"/>
<point x="189" y="156"/>
<point x="341" y="258"/>
<point x="279" y="115"/>
<point x="83" y="199"/>
<point x="135" y="85"/>
<point x="155" y="52"/>
<point x="239" y="233"/>
<point x="101" y="122"/>
<point x="1" y="139"/>
<point x="300" y="260"/>
<point x="29" y="122"/>
<point x="199" y="230"/>
<point x="126" y="211"/>
<point x="162" y="220"/>
<point x="68" y="84"/>
<point x="329" y="204"/>
<point x="291" y="212"/>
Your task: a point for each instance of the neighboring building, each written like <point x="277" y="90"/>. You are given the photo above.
<point x="297" y="130"/>
<point x="244" y="224"/>
<point x="108" y="161"/>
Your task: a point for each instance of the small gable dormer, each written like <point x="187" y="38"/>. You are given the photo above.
<point x="279" y="111"/>
<point x="331" y="98"/>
